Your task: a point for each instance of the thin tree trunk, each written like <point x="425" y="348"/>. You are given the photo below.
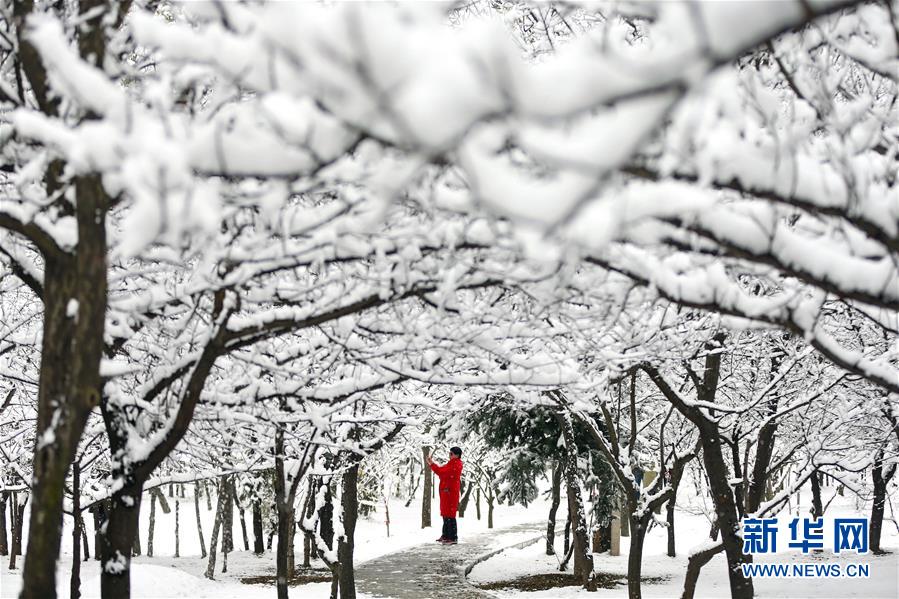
<point x="426" y="494"/>
<point x="86" y="547"/>
<point x="75" y="581"/>
<point x="197" y="492"/>
<point x="216" y="527"/>
<point x="258" y="540"/>
<point x="99" y="512"/>
<point x="291" y="536"/>
<point x="243" y="522"/>
<point x="672" y="552"/>
<point x="4" y="544"/>
<point x="554" y="508"/>
<point x="583" y="559"/>
<point x="227" y="521"/>
<point x="18" y="517"/>
<point x="135" y="548"/>
<point x="477" y="504"/>
<point x="285" y="522"/>
<point x="177" y="523"/>
<point x="880" y="479"/>
<point x="152" y="525"/>
<point x="672" y="503"/>
<point x="463" y="504"/>
<point x="350" y="504"/>
<point x="490" y="501"/>
<point x="817" y="505"/>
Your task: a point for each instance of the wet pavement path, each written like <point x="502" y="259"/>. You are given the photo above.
<point x="432" y="570"/>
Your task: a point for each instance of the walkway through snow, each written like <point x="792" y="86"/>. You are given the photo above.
<point x="435" y="571"/>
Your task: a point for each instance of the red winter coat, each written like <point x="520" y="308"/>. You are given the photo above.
<point x="450" y="482"/>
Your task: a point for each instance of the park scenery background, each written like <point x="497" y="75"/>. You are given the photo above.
<point x="260" y="261"/>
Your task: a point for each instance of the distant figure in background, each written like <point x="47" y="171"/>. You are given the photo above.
<point x="450" y="475"/>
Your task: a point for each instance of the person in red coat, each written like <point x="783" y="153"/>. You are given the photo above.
<point x="450" y="475"/>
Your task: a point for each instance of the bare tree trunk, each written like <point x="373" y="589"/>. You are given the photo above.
<point x="554" y="508"/>
<point x="490" y="501"/>
<point x="135" y="547"/>
<point x="120" y="535"/>
<point x="285" y="521"/>
<point x="291" y="537"/>
<point x="427" y="493"/>
<point x="4" y="544"/>
<point x="75" y="581"/>
<point x="817" y="504"/>
<point x="477" y="504"/>
<point x="583" y="559"/>
<point x="694" y="565"/>
<point x="69" y="384"/>
<point x="216" y="527"/>
<point x="177" y="523"/>
<point x="86" y="548"/>
<point x="99" y="512"/>
<point x="258" y="540"/>
<point x="227" y="521"/>
<point x="672" y="552"/>
<point x="243" y="522"/>
<point x="635" y="555"/>
<point x="672" y="503"/>
<point x="152" y="525"/>
<point x="463" y="504"/>
<point x="197" y="492"/>
<point x="346" y="544"/>
<point x="881" y="479"/>
<point x="18" y="512"/>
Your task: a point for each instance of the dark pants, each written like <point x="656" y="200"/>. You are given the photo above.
<point x="449" y="529"/>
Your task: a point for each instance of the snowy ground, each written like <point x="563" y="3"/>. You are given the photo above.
<point x="164" y="576"/>
<point x="691" y="531"/>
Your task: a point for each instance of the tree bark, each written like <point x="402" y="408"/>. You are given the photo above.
<point x="177" y="523"/>
<point x="350" y="504"/>
<point x="216" y="527"/>
<point x="635" y="556"/>
<point x="554" y="508"/>
<point x="817" y="504"/>
<point x="152" y="525"/>
<point x="880" y="479"/>
<point x="4" y="544"/>
<point x="243" y="521"/>
<point x="285" y="521"/>
<point x="694" y="565"/>
<point x="118" y="542"/>
<point x="490" y="501"/>
<point x="463" y="504"/>
<point x="86" y="548"/>
<point x="227" y="520"/>
<point x="69" y="383"/>
<point x="672" y="551"/>
<point x="75" y="581"/>
<point x="477" y="503"/>
<point x="18" y="512"/>
<point x="258" y="540"/>
<point x="426" y="494"/>
<point x="583" y="559"/>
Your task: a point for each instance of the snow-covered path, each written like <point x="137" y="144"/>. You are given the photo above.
<point x="435" y="571"/>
